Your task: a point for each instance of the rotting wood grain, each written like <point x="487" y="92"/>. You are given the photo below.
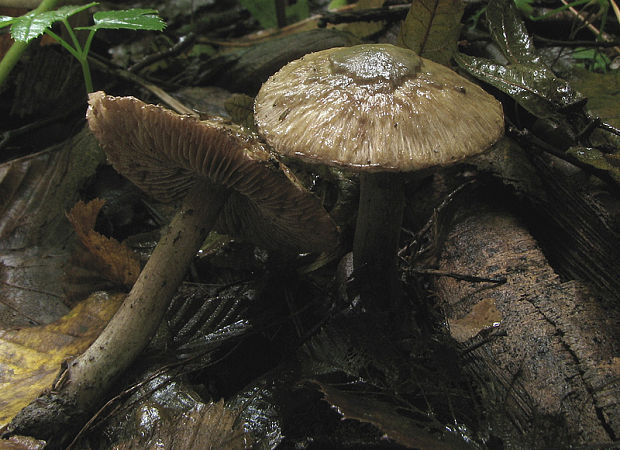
<point x="549" y="374"/>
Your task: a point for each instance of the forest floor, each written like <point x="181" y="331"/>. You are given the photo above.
<point x="506" y="332"/>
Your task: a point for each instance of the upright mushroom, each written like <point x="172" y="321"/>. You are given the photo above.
<point x="379" y="110"/>
<point x="219" y="171"/>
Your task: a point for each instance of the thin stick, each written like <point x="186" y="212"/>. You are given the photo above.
<point x="588" y="24"/>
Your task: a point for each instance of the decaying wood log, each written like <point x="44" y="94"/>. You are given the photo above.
<point x="576" y="222"/>
<point x="543" y="354"/>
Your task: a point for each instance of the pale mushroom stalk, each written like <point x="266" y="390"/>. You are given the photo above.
<point x="141" y="313"/>
<point x="377" y="235"/>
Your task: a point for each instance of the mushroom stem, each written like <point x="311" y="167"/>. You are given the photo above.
<point x="138" y="318"/>
<point x="377" y="233"/>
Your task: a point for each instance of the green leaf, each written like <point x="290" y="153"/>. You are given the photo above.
<point x="509" y="32"/>
<point x="128" y="19"/>
<point x="526" y="6"/>
<point x="32" y="25"/>
<point x="262" y="10"/>
<point x="431" y="28"/>
<point x="533" y="86"/>
<point x="592" y="58"/>
<point x="297" y="11"/>
<point x="335" y="4"/>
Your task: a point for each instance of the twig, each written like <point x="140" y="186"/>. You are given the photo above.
<point x="184" y="42"/>
<point x="156" y="90"/>
<point x="7" y="135"/>
<point x="614" y="6"/>
<point x="574" y="43"/>
<point x="432" y="220"/>
<point x="589" y="25"/>
<point x="391" y="13"/>
<point x="528" y="140"/>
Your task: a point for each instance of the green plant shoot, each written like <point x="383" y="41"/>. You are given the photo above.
<point x="33" y="24"/>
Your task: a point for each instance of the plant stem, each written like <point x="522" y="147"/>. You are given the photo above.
<point x="79" y="53"/>
<point x="18" y="48"/>
<point x="377" y="233"/>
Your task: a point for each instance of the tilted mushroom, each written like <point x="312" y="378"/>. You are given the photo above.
<point x="219" y="171"/>
<point x="379" y="110"/>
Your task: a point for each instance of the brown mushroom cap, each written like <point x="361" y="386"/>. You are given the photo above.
<point x="164" y="154"/>
<point x="375" y="107"/>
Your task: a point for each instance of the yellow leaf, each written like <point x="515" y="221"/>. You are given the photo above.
<point x="30" y="358"/>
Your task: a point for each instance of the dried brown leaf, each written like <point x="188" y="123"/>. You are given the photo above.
<point x="117" y="262"/>
<point x="397" y="426"/>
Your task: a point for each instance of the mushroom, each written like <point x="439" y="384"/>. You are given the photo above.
<point x="219" y="171"/>
<point x="379" y="110"/>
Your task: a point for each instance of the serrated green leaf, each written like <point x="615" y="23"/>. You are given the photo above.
<point x="431" y="28"/>
<point x="32" y="25"/>
<point x="509" y="33"/>
<point x="128" y="19"/>
<point x="533" y="86"/>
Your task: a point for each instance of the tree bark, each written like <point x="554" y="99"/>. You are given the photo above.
<point x="542" y="353"/>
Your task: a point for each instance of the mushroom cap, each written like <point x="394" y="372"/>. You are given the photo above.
<point x="375" y="107"/>
<point x="165" y="153"/>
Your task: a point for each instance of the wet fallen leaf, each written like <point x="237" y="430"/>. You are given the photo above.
<point x="399" y="427"/>
<point x="30" y="358"/>
<point x="525" y="77"/>
<point x="482" y="316"/>
<point x="117" y="262"/>
<point x="609" y="162"/>
<point x="35" y="192"/>
<point x="364" y="29"/>
<point x="240" y="107"/>
<point x="205" y="426"/>
<point x="432" y="28"/>
<point x="30" y="293"/>
<point x="534" y="86"/>
<point x="21" y="443"/>
<point x="509" y="33"/>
